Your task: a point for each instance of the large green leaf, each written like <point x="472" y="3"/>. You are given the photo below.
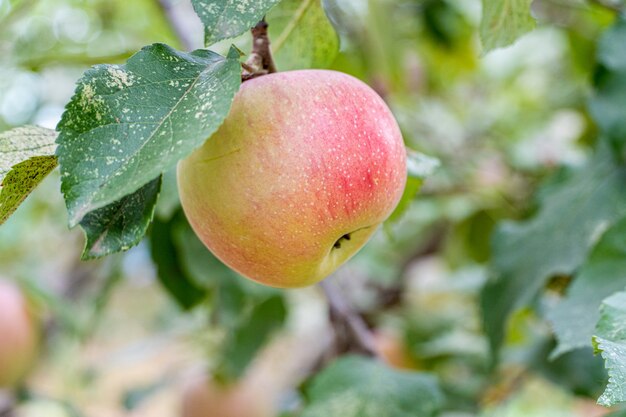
<point x="555" y="241"/>
<point x="26" y="158"/>
<point x="504" y="21"/>
<point x="610" y="340"/>
<point x="356" y="386"/>
<point x="120" y="225"/>
<point x="604" y="273"/>
<point x="127" y="124"/>
<point x="225" y="19"/>
<point x="301" y="35"/>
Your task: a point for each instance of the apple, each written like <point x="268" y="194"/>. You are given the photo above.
<point x="19" y="335"/>
<point x="392" y="350"/>
<point x="304" y="168"/>
<point x="204" y="397"/>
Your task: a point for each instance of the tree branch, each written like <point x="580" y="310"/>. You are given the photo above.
<point x="7" y="404"/>
<point x="260" y="62"/>
<point x="350" y="328"/>
<point x="177" y="25"/>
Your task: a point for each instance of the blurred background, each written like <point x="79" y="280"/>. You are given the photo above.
<point x="122" y="338"/>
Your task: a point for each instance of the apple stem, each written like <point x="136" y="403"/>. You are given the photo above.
<point x="260" y="61"/>
<point x="350" y="328"/>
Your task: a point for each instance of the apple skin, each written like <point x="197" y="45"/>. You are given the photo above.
<point x="204" y="397"/>
<point x="303" y="159"/>
<point x="19" y="335"/>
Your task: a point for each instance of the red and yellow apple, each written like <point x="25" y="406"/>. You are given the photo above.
<point x="19" y="335"/>
<point x="304" y="168"/>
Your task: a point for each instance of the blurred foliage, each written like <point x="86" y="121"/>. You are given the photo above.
<point x="521" y="134"/>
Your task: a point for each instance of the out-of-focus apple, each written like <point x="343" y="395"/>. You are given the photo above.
<point x="19" y="335"/>
<point x="206" y="398"/>
<point x="392" y="350"/>
<point x="305" y="167"/>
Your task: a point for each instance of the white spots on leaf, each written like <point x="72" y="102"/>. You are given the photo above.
<point x="119" y="77"/>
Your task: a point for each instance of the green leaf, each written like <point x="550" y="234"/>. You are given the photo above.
<point x="22" y="143"/>
<point x="608" y="103"/>
<point x="26" y="158"/>
<point x="355" y="386"/>
<point x="225" y="19"/>
<point x="302" y="36"/>
<point x="504" y="21"/>
<point x="610" y="340"/>
<point x="121" y="225"/>
<point x="612" y="46"/>
<point x="555" y="241"/>
<point x="250" y="335"/>
<point x="419" y="167"/>
<point x="170" y="273"/>
<point x="202" y="267"/>
<point x="127" y="124"/>
<point x="603" y="273"/>
<point x="21" y="180"/>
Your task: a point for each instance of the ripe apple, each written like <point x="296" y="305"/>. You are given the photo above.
<point x="204" y="397"/>
<point x="19" y="335"/>
<point x="304" y="168"/>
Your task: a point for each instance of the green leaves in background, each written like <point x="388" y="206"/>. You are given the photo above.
<point x="250" y="334"/>
<point x="555" y="241"/>
<point x="604" y="272"/>
<point x="610" y="340"/>
<point x="26" y="158"/>
<point x="127" y="124"/>
<point x="355" y="386"/>
<point x="121" y="225"/>
<point x="608" y="104"/>
<point x="504" y="21"/>
<point x="225" y="19"/>
<point x="419" y="167"/>
<point x="248" y="312"/>
<point x="301" y="35"/>
<point x="170" y="271"/>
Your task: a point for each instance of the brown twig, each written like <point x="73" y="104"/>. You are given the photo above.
<point x="351" y="330"/>
<point x="7" y="404"/>
<point x="177" y="25"/>
<point x="260" y="61"/>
